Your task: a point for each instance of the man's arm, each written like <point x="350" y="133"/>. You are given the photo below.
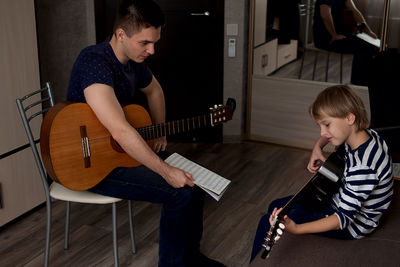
<point x="155" y="98"/>
<point x="326" y="15"/>
<point x="358" y="17"/>
<point x="156" y="101"/>
<point x="102" y="100"/>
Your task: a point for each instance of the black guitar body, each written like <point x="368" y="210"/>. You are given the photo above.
<point x="314" y="194"/>
<point x="320" y="189"/>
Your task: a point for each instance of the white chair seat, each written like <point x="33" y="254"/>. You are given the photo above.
<point x="60" y="192"/>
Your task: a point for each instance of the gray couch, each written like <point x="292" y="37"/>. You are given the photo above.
<point x="382" y="248"/>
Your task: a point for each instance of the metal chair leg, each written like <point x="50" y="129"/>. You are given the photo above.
<point x="133" y="245"/>
<point x="66" y="231"/>
<point x="48" y="227"/>
<point x="115" y="241"/>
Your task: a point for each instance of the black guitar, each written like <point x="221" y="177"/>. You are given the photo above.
<point x="320" y="189"/>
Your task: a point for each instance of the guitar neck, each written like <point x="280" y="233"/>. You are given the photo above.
<point x="174" y="127"/>
<point x="294" y="200"/>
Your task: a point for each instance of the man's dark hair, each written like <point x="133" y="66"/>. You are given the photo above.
<point x="135" y="15"/>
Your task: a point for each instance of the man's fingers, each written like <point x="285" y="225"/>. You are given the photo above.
<point x="189" y="178"/>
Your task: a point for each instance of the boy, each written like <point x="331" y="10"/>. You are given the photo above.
<point x="367" y="190"/>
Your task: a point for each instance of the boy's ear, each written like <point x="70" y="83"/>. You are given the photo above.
<point x="351" y="118"/>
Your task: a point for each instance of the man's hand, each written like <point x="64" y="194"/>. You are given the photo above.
<point x="337" y="37"/>
<point x="178" y="178"/>
<point x="371" y="33"/>
<point x="159" y="144"/>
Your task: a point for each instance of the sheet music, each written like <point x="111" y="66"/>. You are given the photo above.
<point x="369" y="39"/>
<point x="209" y="181"/>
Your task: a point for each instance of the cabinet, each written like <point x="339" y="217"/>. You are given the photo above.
<point x="265" y="58"/>
<point x="286" y="53"/>
<point x="19" y="74"/>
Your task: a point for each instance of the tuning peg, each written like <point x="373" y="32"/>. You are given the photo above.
<point x="282" y="226"/>
<point x="215" y="106"/>
<point x="279" y="231"/>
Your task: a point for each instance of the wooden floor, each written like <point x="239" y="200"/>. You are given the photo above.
<point x="259" y="173"/>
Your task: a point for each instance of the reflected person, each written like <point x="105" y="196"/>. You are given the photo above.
<point x="330" y="34"/>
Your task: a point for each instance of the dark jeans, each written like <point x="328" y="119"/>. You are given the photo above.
<point x="363" y="54"/>
<point x="299" y="214"/>
<point x="181" y="224"/>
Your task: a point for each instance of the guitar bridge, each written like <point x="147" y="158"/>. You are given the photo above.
<point x="85" y="146"/>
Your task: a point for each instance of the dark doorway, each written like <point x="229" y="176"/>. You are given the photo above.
<point x="189" y="58"/>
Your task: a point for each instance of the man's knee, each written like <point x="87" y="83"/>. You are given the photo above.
<point x="181" y="198"/>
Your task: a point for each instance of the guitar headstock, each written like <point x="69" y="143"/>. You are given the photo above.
<point x="274" y="234"/>
<point x="220" y="114"/>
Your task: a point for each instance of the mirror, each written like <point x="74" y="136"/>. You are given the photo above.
<point x="289" y="33"/>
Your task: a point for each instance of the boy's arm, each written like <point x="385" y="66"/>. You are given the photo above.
<point x="322" y="225"/>
<point x="316" y="154"/>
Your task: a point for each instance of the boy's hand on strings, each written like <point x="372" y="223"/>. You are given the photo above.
<point x="315" y="159"/>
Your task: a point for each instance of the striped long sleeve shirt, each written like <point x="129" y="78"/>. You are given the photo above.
<point x="368" y="187"/>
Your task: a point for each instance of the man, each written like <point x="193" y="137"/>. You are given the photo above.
<point x="330" y="34"/>
<point x="105" y="76"/>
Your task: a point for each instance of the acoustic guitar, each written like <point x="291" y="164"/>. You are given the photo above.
<point x="79" y="152"/>
<point x="317" y="191"/>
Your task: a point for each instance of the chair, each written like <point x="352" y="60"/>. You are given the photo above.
<point x="307" y="11"/>
<point x="56" y="190"/>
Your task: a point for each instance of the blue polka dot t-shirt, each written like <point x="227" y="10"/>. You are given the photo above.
<point x="98" y="64"/>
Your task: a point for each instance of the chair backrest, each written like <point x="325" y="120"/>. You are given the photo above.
<point x="28" y="110"/>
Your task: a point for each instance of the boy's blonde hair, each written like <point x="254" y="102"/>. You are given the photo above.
<point x="338" y="101"/>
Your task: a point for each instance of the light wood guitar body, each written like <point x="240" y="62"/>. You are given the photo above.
<point x="79" y="152"/>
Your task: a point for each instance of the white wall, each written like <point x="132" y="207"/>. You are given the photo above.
<point x="235" y="68"/>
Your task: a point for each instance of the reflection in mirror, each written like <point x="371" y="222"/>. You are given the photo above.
<point x="321" y="57"/>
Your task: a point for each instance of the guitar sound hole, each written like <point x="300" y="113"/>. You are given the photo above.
<point x="116" y="146"/>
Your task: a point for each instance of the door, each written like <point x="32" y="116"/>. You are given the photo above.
<point x="188" y="61"/>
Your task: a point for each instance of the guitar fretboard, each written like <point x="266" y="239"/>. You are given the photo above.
<point x="174" y="127"/>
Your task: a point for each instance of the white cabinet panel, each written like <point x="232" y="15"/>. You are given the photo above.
<point x="19" y="74"/>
